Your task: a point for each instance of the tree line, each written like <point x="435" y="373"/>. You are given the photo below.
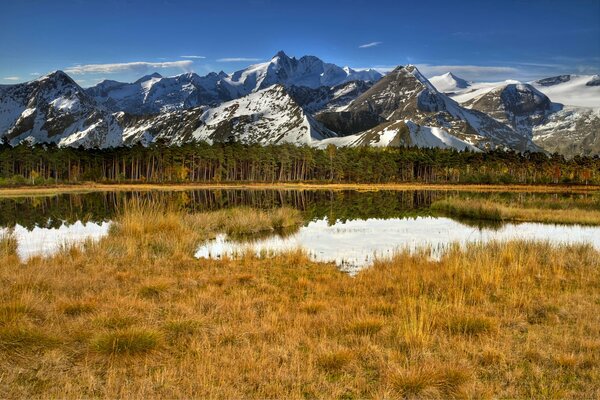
<point x="235" y="162"/>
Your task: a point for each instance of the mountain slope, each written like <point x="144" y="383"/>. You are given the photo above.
<point x="400" y="134"/>
<point x="327" y="98"/>
<point x="269" y="116"/>
<point x="571" y="131"/>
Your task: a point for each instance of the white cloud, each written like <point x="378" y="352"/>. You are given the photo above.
<point x="367" y="45"/>
<point x="138" y="67"/>
<point x="193" y="57"/>
<point x="237" y="59"/>
<point x="35" y="74"/>
<point x="11" y="78"/>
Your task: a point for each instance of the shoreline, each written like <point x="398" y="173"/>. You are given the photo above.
<point x="120" y="187"/>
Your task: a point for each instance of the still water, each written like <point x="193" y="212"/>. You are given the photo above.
<point x="355" y="244"/>
<point x="349" y="228"/>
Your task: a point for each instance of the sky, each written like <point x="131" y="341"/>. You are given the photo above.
<point x="482" y="40"/>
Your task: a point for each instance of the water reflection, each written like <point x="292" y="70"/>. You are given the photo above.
<point x="53" y="211"/>
<point x="47" y="241"/>
<point x="354" y="244"/>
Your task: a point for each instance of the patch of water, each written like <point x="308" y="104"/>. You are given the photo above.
<point x="355" y="244"/>
<point x="47" y="241"/>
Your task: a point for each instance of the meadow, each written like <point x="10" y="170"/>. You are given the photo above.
<point x="136" y="315"/>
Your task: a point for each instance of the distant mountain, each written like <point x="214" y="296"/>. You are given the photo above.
<point x="449" y="83"/>
<point x="518" y="105"/>
<point x="559" y="113"/>
<point x="153" y="94"/>
<point x="307" y="71"/>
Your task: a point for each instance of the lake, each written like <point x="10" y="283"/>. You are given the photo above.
<point x="348" y="228"/>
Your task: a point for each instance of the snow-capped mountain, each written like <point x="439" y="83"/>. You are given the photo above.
<point x="560" y="113"/>
<point x="307" y="71"/>
<point x="449" y="83"/>
<point x="312" y="103"/>
<point x="153" y="94"/>
<point x="518" y="105"/>
<point x="55" y="109"/>
<point x="405" y="94"/>
<point x="399" y="134"/>
<point x="269" y="116"/>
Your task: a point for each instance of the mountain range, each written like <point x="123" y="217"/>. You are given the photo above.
<point x="307" y="101"/>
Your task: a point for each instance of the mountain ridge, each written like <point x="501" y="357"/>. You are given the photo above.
<point x="311" y="103"/>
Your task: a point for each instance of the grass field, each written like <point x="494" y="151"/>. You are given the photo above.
<point x="135" y="315"/>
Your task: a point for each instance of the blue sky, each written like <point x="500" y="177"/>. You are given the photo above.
<point x="125" y="39"/>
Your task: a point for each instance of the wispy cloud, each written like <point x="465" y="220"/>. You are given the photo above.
<point x="193" y="57"/>
<point x="237" y="59"/>
<point x="35" y="74"/>
<point x="367" y="45"/>
<point x="11" y="78"/>
<point x="138" y="67"/>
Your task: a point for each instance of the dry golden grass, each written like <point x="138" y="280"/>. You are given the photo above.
<point x="136" y="316"/>
<point x="548" y="212"/>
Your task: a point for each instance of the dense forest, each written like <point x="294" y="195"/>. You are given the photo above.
<point x="234" y="162"/>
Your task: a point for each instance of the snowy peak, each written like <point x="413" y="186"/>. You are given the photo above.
<point x="449" y="83"/>
<point x="54" y="109"/>
<point x="307" y="71"/>
<point x="145" y="78"/>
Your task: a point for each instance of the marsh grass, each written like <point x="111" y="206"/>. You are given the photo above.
<point x="567" y="211"/>
<point x="117" y="318"/>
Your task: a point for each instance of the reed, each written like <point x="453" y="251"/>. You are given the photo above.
<point x="556" y="211"/>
